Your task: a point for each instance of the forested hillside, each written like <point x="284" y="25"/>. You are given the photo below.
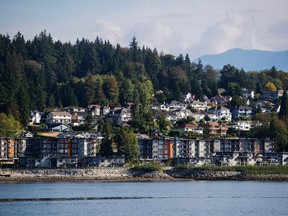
<point x="42" y="73"/>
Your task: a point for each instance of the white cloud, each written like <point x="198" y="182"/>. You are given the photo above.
<point x="236" y="30"/>
<point x="184" y="26"/>
<point x="107" y="30"/>
<point x="153" y="34"/>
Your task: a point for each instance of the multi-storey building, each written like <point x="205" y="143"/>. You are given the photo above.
<point x="145" y="147"/>
<point x="7" y="147"/>
<point x="224" y="151"/>
<point x="71" y="150"/>
<point x="162" y="148"/>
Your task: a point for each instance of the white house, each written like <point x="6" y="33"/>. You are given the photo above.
<point x="35" y="117"/>
<point x="61" y="128"/>
<point x="198" y="105"/>
<point x="221" y="112"/>
<point x="242" y="111"/>
<point x="173" y="105"/>
<point x="58" y="117"/>
<point x="120" y="115"/>
<point x="95" y="110"/>
<point x="248" y="93"/>
<point x="190" y="128"/>
<point x="242" y="125"/>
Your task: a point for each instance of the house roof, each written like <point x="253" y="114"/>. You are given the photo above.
<point x="189" y="126"/>
<point x="199" y="102"/>
<point x="244" y="108"/>
<point x="174" y="102"/>
<point x="222" y="108"/>
<point x="94" y="106"/>
<point x="61" y="113"/>
<point x="215" y="124"/>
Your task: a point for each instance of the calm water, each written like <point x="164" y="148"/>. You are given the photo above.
<point x="145" y="198"/>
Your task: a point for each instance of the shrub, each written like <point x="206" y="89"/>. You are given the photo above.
<point x="147" y="167"/>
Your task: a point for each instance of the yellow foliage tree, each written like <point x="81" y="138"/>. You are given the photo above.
<point x="270" y="86"/>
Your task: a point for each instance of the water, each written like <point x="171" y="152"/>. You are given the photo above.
<point x="145" y="198"/>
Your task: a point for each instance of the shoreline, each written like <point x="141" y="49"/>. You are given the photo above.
<point x="127" y="175"/>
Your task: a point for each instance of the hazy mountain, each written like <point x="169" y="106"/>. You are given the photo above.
<point x="249" y="60"/>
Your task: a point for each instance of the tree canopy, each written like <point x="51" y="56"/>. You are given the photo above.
<point x="41" y="73"/>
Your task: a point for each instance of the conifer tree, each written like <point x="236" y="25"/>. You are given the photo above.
<point x="283" y="114"/>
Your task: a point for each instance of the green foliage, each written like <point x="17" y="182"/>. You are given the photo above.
<point x="41" y="73"/>
<point x="248" y="170"/>
<point x="106" y="148"/>
<point x="9" y="127"/>
<point x="183" y="167"/>
<point x="283" y="113"/>
<point x="111" y="88"/>
<point x="127" y="143"/>
<point x="279" y="130"/>
<point x="150" y="167"/>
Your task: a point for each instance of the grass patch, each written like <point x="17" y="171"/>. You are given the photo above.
<point x="147" y="167"/>
<point x="249" y="170"/>
<point x="183" y="167"/>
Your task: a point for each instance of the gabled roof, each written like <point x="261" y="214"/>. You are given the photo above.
<point x="94" y="106"/>
<point x="174" y="102"/>
<point x="243" y="108"/>
<point x="61" y="113"/>
<point x="199" y="102"/>
<point x="221" y="108"/>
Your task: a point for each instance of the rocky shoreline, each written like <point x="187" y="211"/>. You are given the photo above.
<point x="125" y="174"/>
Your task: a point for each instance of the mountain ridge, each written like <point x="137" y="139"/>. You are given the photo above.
<point x="249" y="60"/>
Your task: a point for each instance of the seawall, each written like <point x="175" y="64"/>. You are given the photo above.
<point x="125" y="174"/>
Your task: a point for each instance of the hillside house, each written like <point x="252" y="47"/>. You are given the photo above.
<point x="198" y="105"/>
<point x="221" y="112"/>
<point x="215" y="129"/>
<point x="248" y="93"/>
<point x="242" y="125"/>
<point x="94" y="110"/>
<point x="174" y="105"/>
<point x="58" y="117"/>
<point x="220" y="100"/>
<point x="272" y="95"/>
<point x="186" y="128"/>
<point x="35" y="117"/>
<point x="242" y="111"/>
<point x="60" y="128"/>
<point x="120" y="115"/>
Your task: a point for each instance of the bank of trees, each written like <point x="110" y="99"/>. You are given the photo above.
<point x="42" y="73"/>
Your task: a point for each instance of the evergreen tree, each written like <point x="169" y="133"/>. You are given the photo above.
<point x="106" y="148"/>
<point x="127" y="143"/>
<point x="134" y="49"/>
<point x="89" y="88"/>
<point x="111" y="89"/>
<point x="283" y="113"/>
<point x="278" y="130"/>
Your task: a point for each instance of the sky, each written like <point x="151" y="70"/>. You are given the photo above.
<point x="194" y="27"/>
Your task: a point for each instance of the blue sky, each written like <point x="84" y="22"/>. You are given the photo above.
<point x="196" y="27"/>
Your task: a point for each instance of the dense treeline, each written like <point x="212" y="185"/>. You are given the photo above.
<point x="42" y="73"/>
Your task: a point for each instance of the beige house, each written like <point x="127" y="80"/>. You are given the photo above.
<point x="190" y="128"/>
<point x="214" y="128"/>
<point x="58" y="117"/>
